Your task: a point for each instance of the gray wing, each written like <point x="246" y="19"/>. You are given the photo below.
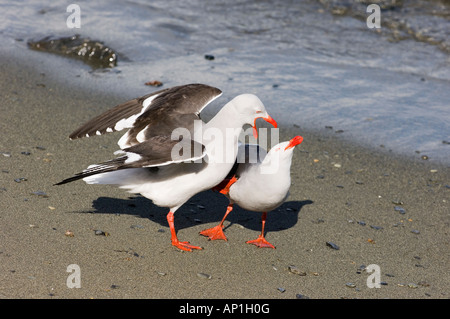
<point x="158" y="113"/>
<point x="150" y="121"/>
<point x="155" y="152"/>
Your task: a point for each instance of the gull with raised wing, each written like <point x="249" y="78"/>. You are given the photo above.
<point x="166" y="156"/>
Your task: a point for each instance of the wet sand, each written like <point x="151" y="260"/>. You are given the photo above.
<point x="378" y="208"/>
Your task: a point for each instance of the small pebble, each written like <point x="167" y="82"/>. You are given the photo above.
<point x="20" y="179"/>
<point x="203" y="275"/>
<point x="137" y="227"/>
<point x="295" y="270"/>
<point x="376" y="227"/>
<point x="300" y="296"/>
<point x="399" y="209"/>
<point x="101" y="233"/>
<point x="361" y="269"/>
<point x="25" y="153"/>
<point x="40" y="194"/>
<point x="362" y="223"/>
<point x="209" y="57"/>
<point x="350" y="285"/>
<point x="281" y="289"/>
<point x="154" y="83"/>
<point x="332" y="245"/>
<point x="69" y="233"/>
<point x="6" y="154"/>
<point x="415" y="231"/>
<point x="424" y="157"/>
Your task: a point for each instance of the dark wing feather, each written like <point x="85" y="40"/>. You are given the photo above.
<point x="156" y="151"/>
<point x="110" y="118"/>
<point x="161" y="150"/>
<point x="105" y="167"/>
<point x="167" y="110"/>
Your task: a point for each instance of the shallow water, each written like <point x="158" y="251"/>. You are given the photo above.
<point x="313" y="63"/>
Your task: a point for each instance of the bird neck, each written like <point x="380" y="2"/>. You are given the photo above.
<point x="221" y="134"/>
<point x="227" y="117"/>
<point x="274" y="164"/>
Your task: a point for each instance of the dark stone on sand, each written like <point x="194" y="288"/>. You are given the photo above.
<point x="399" y="209"/>
<point x="332" y="245"/>
<point x="40" y="194"/>
<point x="92" y="52"/>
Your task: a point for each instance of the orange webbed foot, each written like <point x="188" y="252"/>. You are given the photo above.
<point x="184" y="245"/>
<point x="261" y="242"/>
<point x="214" y="233"/>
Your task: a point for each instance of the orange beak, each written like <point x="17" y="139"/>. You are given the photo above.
<point x="293" y="142"/>
<point x="268" y="119"/>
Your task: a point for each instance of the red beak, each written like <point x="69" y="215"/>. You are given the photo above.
<point x="293" y="142"/>
<point x="268" y="119"/>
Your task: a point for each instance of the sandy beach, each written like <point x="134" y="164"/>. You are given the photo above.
<point x="375" y="207"/>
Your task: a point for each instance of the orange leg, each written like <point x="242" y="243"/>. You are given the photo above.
<point x="217" y="231"/>
<point x="183" y="245"/>
<point x="261" y="241"/>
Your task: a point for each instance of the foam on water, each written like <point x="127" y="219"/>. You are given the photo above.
<point x="310" y="64"/>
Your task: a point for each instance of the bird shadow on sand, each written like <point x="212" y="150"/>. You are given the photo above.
<point x="204" y="208"/>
